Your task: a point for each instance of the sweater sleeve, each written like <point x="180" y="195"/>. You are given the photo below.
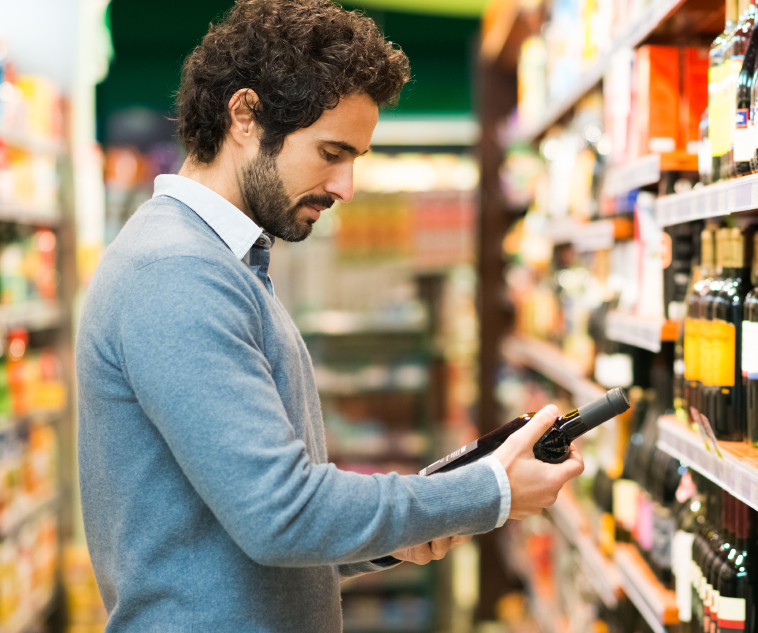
<point x="192" y="347"/>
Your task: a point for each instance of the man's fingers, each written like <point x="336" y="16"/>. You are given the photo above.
<point x="537" y="426"/>
<point x="460" y="540"/>
<point x="440" y="547"/>
<point x="572" y="467"/>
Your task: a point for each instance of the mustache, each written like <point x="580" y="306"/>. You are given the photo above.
<point x="316" y="200"/>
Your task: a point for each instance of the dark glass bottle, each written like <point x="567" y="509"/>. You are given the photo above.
<point x="743" y="142"/>
<point x="708" y="362"/>
<point x="668" y="475"/>
<point x="553" y="446"/>
<point x="694" y="306"/>
<point x="689" y="513"/>
<point x="721" y="556"/>
<point x="718" y="109"/>
<point x="735" y="583"/>
<point x="716" y="540"/>
<point x="730" y="403"/>
<point x="703" y="534"/>
<point x="750" y="351"/>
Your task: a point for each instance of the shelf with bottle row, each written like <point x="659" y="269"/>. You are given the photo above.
<point x="644" y="332"/>
<point x="31" y="315"/>
<point x="337" y="322"/>
<point x="653" y="15"/>
<point x="645" y="171"/>
<point x="721" y="198"/>
<point x="736" y="471"/>
<point x="552" y="363"/>
<point x="544" y="609"/>
<point x="590" y="236"/>
<point x="9" y="525"/>
<point x="23" y="214"/>
<point x="572" y="523"/>
<point x="26" y="620"/>
<point x="30" y="142"/>
<point x="654" y="602"/>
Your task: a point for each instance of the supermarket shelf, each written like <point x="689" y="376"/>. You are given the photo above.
<point x="552" y="363"/>
<point x="654" y="14"/>
<point x="722" y="198"/>
<point x="645" y="171"/>
<point x="544" y="610"/>
<point x="590" y="236"/>
<point x="601" y="572"/>
<point x="29" y="215"/>
<point x="30" y="142"/>
<point x="22" y="622"/>
<point x="640" y="332"/>
<point x="7" y="528"/>
<point x="32" y="315"/>
<point x="654" y="602"/>
<point x="334" y="322"/>
<point x="737" y="470"/>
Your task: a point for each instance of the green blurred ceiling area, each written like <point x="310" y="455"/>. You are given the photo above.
<point x="152" y="38"/>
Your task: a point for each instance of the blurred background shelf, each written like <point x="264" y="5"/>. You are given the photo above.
<point x="640" y="332"/>
<point x="656" y="603"/>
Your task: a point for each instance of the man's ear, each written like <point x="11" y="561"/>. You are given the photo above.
<point x="244" y="129"/>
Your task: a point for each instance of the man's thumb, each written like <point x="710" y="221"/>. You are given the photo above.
<point x="536" y="427"/>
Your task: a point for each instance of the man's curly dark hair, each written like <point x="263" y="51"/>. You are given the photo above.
<point x="299" y="56"/>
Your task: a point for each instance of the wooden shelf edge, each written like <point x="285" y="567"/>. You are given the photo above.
<point x="656" y="603"/>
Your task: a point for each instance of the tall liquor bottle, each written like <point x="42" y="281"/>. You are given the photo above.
<point x="708" y="374"/>
<point x="721" y="556"/>
<point x="730" y="421"/>
<point x="718" y="102"/>
<point x="750" y="351"/>
<point x="743" y="148"/>
<point x="736" y="611"/>
<point x="703" y="275"/>
<point x="720" y="539"/>
<point x="703" y="533"/>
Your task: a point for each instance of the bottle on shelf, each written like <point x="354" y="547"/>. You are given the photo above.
<point x="720" y="554"/>
<point x="553" y="447"/>
<point x="736" y="583"/>
<point x="709" y="342"/>
<point x="730" y="415"/>
<point x="750" y="351"/>
<point x="694" y="360"/>
<point x="704" y="158"/>
<point x="718" y="99"/>
<point x="666" y="479"/>
<point x="742" y="146"/>
<point x="689" y="516"/>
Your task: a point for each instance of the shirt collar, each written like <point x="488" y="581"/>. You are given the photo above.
<point x="237" y="230"/>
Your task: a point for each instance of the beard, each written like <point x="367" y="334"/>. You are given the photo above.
<point x="273" y="210"/>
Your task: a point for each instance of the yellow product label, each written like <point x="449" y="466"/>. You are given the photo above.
<point x="717" y="125"/>
<point x="706" y="353"/>
<point x="723" y="352"/>
<point x="691" y="351"/>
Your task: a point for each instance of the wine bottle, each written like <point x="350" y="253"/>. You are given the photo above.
<point x="703" y="275"/>
<point x="734" y="56"/>
<point x="718" y="106"/>
<point x="736" y="603"/>
<point x="742" y="147"/>
<point x="750" y="351"/>
<point x="730" y="421"/>
<point x="710" y="347"/>
<point x="552" y="447"/>
<point x="721" y="556"/>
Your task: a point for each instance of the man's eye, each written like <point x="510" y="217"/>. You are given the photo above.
<point x="330" y="157"/>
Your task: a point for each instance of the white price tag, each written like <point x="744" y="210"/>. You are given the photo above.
<point x="723" y="202"/>
<point x="732" y="198"/>
<point x="709" y="203"/>
<point x="738" y="481"/>
<point x="754" y="195"/>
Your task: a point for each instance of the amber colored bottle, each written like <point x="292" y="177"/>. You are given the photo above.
<point x="693" y="322"/>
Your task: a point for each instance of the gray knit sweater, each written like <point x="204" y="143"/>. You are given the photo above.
<point x="209" y="505"/>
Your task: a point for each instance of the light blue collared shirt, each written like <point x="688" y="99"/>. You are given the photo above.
<point x="240" y="233"/>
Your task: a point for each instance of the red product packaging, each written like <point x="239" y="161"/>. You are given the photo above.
<point x="657" y="102"/>
<point x="694" y="98"/>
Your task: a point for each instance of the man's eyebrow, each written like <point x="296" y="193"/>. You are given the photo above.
<point x="347" y="147"/>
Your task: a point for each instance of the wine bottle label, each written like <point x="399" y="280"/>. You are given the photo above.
<point x="750" y="350"/>
<point x="707" y="369"/>
<point x="723" y="353"/>
<point x="714" y="609"/>
<point x="691" y="353"/>
<point x="731" y="614"/>
<point x="682" y="569"/>
<point x="742" y="148"/>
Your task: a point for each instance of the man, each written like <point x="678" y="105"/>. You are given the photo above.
<point x="208" y="501"/>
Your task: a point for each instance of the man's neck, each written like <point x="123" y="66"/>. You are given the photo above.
<point x="218" y="177"/>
